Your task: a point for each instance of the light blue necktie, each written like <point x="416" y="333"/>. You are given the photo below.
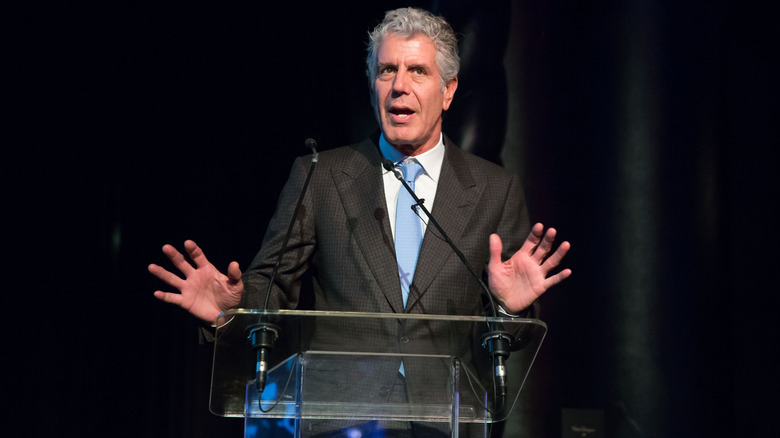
<point x="408" y="234"/>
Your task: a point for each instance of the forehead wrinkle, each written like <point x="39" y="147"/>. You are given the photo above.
<point x="406" y="48"/>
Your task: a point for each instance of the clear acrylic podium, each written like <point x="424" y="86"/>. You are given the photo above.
<point x="337" y="373"/>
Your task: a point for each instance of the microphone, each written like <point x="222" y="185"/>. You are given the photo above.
<point x="311" y="144"/>
<point x="497" y="342"/>
<point x="263" y="335"/>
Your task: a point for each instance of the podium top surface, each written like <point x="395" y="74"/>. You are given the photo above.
<point x="224" y="317"/>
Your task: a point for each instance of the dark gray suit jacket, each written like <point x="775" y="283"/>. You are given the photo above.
<point x="341" y="255"/>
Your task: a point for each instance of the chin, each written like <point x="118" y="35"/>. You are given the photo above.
<point x="395" y="135"/>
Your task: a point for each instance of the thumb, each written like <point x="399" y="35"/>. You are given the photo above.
<point x="495" y="249"/>
<point x="233" y="273"/>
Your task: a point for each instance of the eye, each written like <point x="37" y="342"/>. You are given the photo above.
<point x="419" y="71"/>
<point x="386" y="70"/>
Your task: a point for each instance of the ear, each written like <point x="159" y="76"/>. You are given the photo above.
<point x="449" y="93"/>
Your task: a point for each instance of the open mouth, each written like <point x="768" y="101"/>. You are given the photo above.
<point x="400" y="113"/>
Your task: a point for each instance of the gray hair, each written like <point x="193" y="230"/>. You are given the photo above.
<point x="408" y="22"/>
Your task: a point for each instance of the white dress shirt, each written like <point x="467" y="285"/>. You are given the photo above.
<point x="425" y="186"/>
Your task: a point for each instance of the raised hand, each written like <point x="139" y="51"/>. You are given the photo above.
<point x="520" y="280"/>
<point x="204" y="291"/>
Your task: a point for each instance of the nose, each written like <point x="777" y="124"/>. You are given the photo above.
<point x="400" y="84"/>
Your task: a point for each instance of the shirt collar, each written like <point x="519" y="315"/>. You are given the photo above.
<point x="431" y="161"/>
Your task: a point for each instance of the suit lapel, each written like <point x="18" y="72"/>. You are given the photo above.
<point x="457" y="194"/>
<point x="359" y="185"/>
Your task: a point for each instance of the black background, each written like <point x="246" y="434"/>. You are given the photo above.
<point x="129" y="125"/>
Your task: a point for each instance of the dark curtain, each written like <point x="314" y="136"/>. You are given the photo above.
<point x="645" y="131"/>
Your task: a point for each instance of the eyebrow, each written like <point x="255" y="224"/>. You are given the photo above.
<point x="382" y="65"/>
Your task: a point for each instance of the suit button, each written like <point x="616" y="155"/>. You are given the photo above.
<point x="404" y="339"/>
<point x="384" y="391"/>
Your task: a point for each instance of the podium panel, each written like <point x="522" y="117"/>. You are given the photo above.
<point x="365" y="372"/>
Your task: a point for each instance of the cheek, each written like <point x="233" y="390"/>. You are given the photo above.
<point x="435" y="103"/>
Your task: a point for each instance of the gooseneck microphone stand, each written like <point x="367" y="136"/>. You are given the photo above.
<point x="496" y="341"/>
<point x="263" y="335"/>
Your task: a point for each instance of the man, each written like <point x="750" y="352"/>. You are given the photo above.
<point x="347" y="234"/>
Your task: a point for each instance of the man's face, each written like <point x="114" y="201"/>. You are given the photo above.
<point x="407" y="96"/>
